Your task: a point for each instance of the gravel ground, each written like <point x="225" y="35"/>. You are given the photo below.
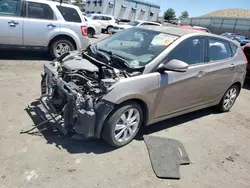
<point x="217" y="144"/>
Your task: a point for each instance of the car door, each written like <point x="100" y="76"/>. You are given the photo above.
<point x="11" y="22"/>
<point x="181" y="91"/>
<point x="223" y="68"/>
<point x="40" y="24"/>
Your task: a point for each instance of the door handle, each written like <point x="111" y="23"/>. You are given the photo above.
<point x="232" y="66"/>
<point x="12" y="23"/>
<point x="201" y="73"/>
<point x="51" y="25"/>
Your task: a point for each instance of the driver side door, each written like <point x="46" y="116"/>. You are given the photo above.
<point x="183" y="91"/>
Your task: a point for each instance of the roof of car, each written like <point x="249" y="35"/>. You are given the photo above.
<point x="172" y="30"/>
<point x="102" y="15"/>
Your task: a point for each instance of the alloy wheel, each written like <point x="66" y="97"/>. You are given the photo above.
<point x="127" y="125"/>
<point x="230" y="98"/>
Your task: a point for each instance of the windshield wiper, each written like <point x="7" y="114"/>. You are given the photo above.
<point x="113" y="55"/>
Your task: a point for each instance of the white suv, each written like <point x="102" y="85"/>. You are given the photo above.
<point x="107" y="22"/>
<point x="42" y="25"/>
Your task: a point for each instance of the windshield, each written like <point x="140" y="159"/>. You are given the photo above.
<point x="138" y="46"/>
<point x="133" y="23"/>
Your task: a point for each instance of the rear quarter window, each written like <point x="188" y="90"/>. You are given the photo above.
<point x="218" y="50"/>
<point x="234" y="49"/>
<point x="69" y="14"/>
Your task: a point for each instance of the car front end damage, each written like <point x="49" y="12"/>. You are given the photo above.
<point x="73" y="88"/>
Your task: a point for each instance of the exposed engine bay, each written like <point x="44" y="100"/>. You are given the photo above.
<point x="75" y="84"/>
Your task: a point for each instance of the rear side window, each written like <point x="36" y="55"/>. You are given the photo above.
<point x="40" y="11"/>
<point x="218" y="50"/>
<point x="10" y="7"/>
<point x="69" y="14"/>
<point x="234" y="49"/>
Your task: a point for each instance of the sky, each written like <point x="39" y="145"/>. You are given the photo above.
<point x="200" y="7"/>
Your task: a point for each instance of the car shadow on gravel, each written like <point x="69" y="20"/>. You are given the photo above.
<point x="24" y="55"/>
<point x="176" y="121"/>
<point x="61" y="141"/>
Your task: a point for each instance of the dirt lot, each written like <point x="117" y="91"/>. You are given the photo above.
<point x="217" y="144"/>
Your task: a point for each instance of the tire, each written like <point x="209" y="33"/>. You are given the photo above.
<point x="54" y="47"/>
<point x="112" y="132"/>
<point x="230" y="96"/>
<point x="91" y="32"/>
<point x="109" y="28"/>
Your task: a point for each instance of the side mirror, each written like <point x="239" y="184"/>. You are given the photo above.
<point x="173" y="65"/>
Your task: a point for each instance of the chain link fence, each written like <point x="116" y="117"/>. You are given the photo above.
<point x="219" y="25"/>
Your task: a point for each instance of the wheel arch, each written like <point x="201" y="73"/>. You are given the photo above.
<point x="62" y="36"/>
<point x="140" y="102"/>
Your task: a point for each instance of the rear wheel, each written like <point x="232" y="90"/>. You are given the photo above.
<point x="123" y="125"/>
<point x="61" y="46"/>
<point x="229" y="98"/>
<point x="91" y="32"/>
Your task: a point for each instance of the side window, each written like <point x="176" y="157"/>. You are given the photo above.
<point x="218" y="50"/>
<point x="69" y="14"/>
<point x="109" y="18"/>
<point x="40" y="11"/>
<point x="10" y="8"/>
<point x="190" y="51"/>
<point x="96" y="18"/>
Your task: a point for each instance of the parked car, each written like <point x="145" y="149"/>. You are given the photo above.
<point x="242" y="39"/>
<point x="141" y="76"/>
<point x="246" y="50"/>
<point x="121" y="27"/>
<point x="106" y="21"/>
<point x="94" y="27"/>
<point x="42" y="25"/>
<point x="194" y="28"/>
<point x="239" y="38"/>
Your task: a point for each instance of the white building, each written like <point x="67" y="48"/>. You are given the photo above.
<point x="124" y="9"/>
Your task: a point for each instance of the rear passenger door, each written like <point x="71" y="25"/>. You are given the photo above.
<point x="40" y="24"/>
<point x="222" y="69"/>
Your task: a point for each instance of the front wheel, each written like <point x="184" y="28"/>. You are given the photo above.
<point x="229" y="98"/>
<point x="123" y="125"/>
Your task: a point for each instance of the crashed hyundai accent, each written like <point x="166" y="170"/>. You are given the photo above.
<point x="139" y="77"/>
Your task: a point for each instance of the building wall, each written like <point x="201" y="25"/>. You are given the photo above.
<point x="122" y="9"/>
<point x="219" y="25"/>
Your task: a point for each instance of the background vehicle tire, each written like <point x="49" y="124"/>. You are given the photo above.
<point x="91" y="32"/>
<point x="229" y="98"/>
<point x="122" y="126"/>
<point x="109" y="28"/>
<point x="61" y="46"/>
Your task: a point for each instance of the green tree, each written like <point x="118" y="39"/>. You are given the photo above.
<point x="169" y="14"/>
<point x="184" y="15"/>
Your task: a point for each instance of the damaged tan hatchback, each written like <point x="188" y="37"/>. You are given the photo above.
<point x="141" y="76"/>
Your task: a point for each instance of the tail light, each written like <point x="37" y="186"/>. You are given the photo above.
<point x="84" y="30"/>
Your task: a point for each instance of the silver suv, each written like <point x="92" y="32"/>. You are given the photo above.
<point x="42" y="25"/>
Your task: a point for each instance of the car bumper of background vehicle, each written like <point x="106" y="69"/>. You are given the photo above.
<point x="84" y="42"/>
